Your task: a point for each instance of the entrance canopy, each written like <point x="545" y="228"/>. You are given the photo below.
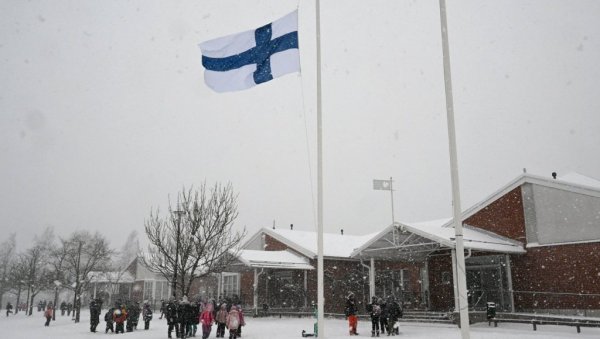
<point x="413" y="242"/>
<point x="270" y="259"/>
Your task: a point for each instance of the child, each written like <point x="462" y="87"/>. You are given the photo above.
<point x="108" y="317"/>
<point x="206" y="318"/>
<point x="48" y="315"/>
<point x="233" y="322"/>
<point x="147" y="314"/>
<point x="375" y="311"/>
<point x="242" y="322"/>
<point x="119" y="317"/>
<point x="221" y="319"/>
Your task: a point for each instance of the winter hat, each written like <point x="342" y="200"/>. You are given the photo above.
<point x="184" y="299"/>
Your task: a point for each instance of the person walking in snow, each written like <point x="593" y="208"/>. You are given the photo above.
<point x="119" y="317"/>
<point x="48" y="314"/>
<point x="9" y="308"/>
<point x="233" y="322"/>
<point x="147" y="316"/>
<point x="171" y="313"/>
<point x="383" y="317"/>
<point x="374" y="310"/>
<point x="207" y="319"/>
<point x="350" y="312"/>
<point x="95" y="310"/>
<point x="221" y="320"/>
<point x="108" y="318"/>
<point x="394" y="312"/>
<point x="242" y="321"/>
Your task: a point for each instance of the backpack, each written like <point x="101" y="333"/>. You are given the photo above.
<point x="108" y="316"/>
<point x="234" y="322"/>
<point x="376" y="310"/>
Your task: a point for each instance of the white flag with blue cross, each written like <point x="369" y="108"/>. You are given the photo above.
<point x="244" y="60"/>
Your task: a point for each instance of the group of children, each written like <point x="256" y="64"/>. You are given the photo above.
<point x="116" y="317"/>
<point x="183" y="317"/>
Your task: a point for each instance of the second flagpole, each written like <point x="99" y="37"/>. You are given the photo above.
<point x="320" y="269"/>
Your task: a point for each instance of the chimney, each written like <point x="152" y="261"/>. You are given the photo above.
<point x="524" y="170"/>
<point x="554" y="175"/>
<point x="342" y="231"/>
<point x="273" y="223"/>
<point x="292" y="227"/>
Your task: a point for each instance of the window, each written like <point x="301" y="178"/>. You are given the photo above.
<point x="231" y="284"/>
<point x="161" y="290"/>
<point x="148" y="290"/>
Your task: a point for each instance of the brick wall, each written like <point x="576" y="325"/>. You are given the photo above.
<point x="565" y="271"/>
<point x="441" y="292"/>
<point x="504" y="216"/>
<point x="560" y="272"/>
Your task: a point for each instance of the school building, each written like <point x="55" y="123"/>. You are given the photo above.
<point x="533" y="245"/>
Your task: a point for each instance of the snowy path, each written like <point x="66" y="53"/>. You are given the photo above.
<point x="23" y="327"/>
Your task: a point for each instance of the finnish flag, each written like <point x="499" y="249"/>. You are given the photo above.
<point x="244" y="60"/>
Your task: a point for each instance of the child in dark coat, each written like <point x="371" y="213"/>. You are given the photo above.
<point x="374" y="311"/>
<point x="108" y="317"/>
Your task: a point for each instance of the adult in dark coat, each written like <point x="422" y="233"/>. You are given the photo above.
<point x="63" y="308"/>
<point x="172" y="315"/>
<point x="95" y="310"/>
<point x="9" y="308"/>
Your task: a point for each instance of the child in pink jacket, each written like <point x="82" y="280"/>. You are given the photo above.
<point x="233" y="322"/>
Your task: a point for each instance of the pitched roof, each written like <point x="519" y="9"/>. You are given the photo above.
<point x="305" y="242"/>
<point x="273" y="259"/>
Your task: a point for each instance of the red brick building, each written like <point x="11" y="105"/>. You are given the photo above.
<point x="534" y="244"/>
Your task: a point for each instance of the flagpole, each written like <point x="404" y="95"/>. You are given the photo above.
<point x="320" y="269"/>
<point x="458" y="230"/>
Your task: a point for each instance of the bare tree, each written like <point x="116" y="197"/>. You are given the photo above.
<point x="17" y="277"/>
<point x="7" y="256"/>
<point x="36" y="259"/>
<point x="85" y="253"/>
<point x="195" y="238"/>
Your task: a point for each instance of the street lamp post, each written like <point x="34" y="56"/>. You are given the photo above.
<point x="177" y="235"/>
<point x="57" y="286"/>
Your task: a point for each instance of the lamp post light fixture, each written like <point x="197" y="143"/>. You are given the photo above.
<point x="57" y="285"/>
<point x="177" y="236"/>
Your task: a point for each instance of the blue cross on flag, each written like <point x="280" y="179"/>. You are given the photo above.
<point x="241" y="61"/>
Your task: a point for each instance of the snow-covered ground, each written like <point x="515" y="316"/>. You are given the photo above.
<point x="21" y="326"/>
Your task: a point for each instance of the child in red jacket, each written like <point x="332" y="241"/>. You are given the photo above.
<point x="119" y="317"/>
<point x="207" y="319"/>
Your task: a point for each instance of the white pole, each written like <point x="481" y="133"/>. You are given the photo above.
<point x="320" y="270"/>
<point x="458" y="231"/>
<point x="392" y="193"/>
<point x="372" y="278"/>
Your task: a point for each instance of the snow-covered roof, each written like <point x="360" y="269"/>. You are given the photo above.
<point x="414" y="241"/>
<point x="273" y="259"/>
<point x="474" y="238"/>
<point x="305" y="242"/>
<point x="112" y="277"/>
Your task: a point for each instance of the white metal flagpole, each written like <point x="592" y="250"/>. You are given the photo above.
<point x="458" y="230"/>
<point x="320" y="269"/>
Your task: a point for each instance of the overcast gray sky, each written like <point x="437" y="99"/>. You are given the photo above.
<point x="104" y="112"/>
